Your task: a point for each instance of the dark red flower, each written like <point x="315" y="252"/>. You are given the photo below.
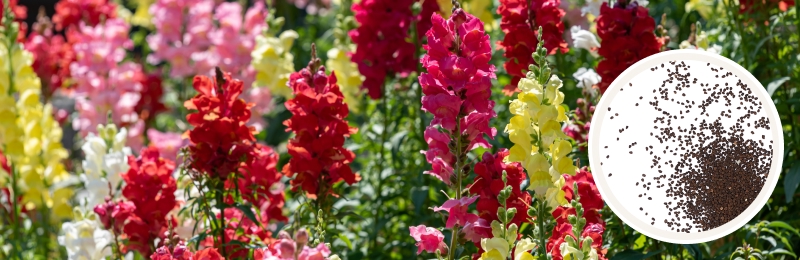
<point x="176" y="252"/>
<point x="220" y="138"/>
<point x="627" y="35"/>
<point x="752" y="6"/>
<point x="520" y="24"/>
<point x="150" y="101"/>
<point x="319" y="159"/>
<point x="382" y="48"/>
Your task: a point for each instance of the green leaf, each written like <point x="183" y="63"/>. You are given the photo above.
<point x="783" y="225"/>
<point x="772" y="86"/>
<point x="781" y="251"/>
<point x="791" y="181"/>
<point x="694" y="250"/>
<point x="248" y="212"/>
<point x="346" y="241"/>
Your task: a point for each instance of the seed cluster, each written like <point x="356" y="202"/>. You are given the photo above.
<point x="716" y="165"/>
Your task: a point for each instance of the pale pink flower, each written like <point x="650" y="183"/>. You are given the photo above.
<point x="167" y="143"/>
<point x="428" y="239"/>
<point x="476" y="230"/>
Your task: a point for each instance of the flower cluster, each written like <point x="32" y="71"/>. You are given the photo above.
<point x="219" y="137"/>
<point x="149" y="185"/>
<point x="535" y="130"/>
<point x="519" y="22"/>
<point x="31" y="137"/>
<point x="489" y="182"/>
<point x="578" y="237"/>
<point x="149" y="193"/>
<point x="626" y="32"/>
<point x="274" y="62"/>
<point x="71" y="13"/>
<point x="84" y="237"/>
<point x="102" y="83"/>
<point x="205" y="44"/>
<point x="106" y="158"/>
<point x="319" y="159"/>
<point x="457" y="91"/>
<point x="381" y="46"/>
<point x="52" y="56"/>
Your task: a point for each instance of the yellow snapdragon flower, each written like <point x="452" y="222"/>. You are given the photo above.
<point x="347" y="76"/>
<point x="539" y="144"/>
<point x="274" y="62"/>
<point x="30" y="137"/>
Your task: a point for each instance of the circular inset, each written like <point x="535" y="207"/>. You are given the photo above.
<point x="686" y="146"/>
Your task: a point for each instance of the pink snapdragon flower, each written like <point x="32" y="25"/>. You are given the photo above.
<point x="428" y="239"/>
<point x="456" y="88"/>
<point x="457" y="211"/>
<point x="102" y="84"/>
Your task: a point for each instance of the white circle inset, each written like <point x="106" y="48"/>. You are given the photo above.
<point x="622" y="144"/>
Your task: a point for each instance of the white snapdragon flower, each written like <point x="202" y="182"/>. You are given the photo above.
<point x="584" y="39"/>
<point x="84" y="238"/>
<point x="586" y="78"/>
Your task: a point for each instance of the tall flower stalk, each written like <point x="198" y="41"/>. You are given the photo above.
<point x="539" y="143"/>
<point x="457" y="91"/>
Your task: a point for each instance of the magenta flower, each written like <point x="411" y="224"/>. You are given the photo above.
<point x="457" y="89"/>
<point x="321" y="252"/>
<point x="428" y="239"/>
<point x="457" y="211"/>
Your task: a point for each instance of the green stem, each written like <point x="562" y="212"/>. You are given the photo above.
<point x="540" y="223"/>
<point x="379" y="208"/>
<point x="460" y="160"/>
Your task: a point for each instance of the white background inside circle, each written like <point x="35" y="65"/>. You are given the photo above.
<point x="619" y="190"/>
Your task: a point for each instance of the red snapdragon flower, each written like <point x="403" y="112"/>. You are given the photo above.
<point x="149" y="185"/>
<point x="627" y="34"/>
<point x="220" y="137"/>
<point x="69" y="13"/>
<point x="381" y="45"/>
<point x="520" y="24"/>
<point x="489" y="182"/>
<point x="260" y="182"/>
<point x="319" y="159"/>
